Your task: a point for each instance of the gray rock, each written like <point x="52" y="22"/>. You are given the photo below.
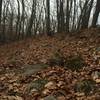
<point x="31" y="69"/>
<point x="50" y="98"/>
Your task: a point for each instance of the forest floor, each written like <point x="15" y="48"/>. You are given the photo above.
<point x="52" y="68"/>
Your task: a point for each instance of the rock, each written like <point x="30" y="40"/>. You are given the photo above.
<point x="31" y="69"/>
<point x="50" y="98"/>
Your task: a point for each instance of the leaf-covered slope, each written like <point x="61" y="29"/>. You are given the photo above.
<point x="53" y="60"/>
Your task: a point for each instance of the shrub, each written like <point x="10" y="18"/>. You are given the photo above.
<point x="56" y="59"/>
<point x="85" y="86"/>
<point x="37" y="84"/>
<point x="75" y="63"/>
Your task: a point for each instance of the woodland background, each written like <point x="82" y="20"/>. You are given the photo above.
<point x="24" y="18"/>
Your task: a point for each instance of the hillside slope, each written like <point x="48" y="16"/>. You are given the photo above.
<point x="36" y="56"/>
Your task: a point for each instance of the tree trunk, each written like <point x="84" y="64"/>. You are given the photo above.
<point x="32" y="18"/>
<point x="62" y="15"/>
<point x="18" y="20"/>
<point x="96" y="14"/>
<point x="58" y="16"/>
<point x="0" y="10"/>
<point x="87" y="15"/>
<point x="67" y="16"/>
<point x="48" y="17"/>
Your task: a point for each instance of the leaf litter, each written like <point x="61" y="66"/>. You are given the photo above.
<point x="42" y="69"/>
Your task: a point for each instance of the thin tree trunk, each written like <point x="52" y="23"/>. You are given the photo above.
<point x="48" y="17"/>
<point x="58" y="17"/>
<point x="67" y="16"/>
<point x="0" y="10"/>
